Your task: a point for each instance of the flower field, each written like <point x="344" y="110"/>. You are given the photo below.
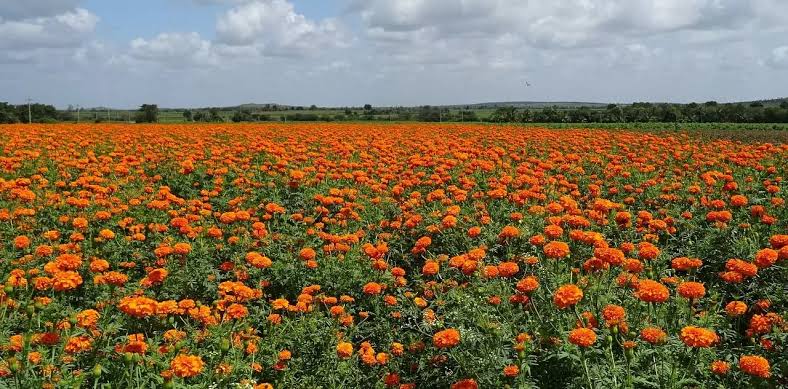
<point x="390" y="255"/>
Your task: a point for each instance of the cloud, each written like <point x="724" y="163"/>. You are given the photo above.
<point x="277" y="29"/>
<point x="554" y="24"/>
<point x="174" y="49"/>
<point x="68" y="29"/>
<point x="778" y="58"/>
<point x="24" y="9"/>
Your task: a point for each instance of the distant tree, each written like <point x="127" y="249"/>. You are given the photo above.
<point x="784" y="105"/>
<point x="367" y="107"/>
<point x="8" y="113"/>
<point x="312" y="107"/>
<point x="242" y="116"/>
<point x="148" y="113"/>
<point x="187" y="114"/>
<point x="214" y="115"/>
<point x="468" y="115"/>
<point x="504" y="115"/>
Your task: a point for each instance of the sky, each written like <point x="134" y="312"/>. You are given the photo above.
<point x="195" y="53"/>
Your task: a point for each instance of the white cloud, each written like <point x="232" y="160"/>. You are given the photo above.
<point x="174" y="49"/>
<point x="778" y="58"/>
<point x="558" y="23"/>
<point x="277" y="29"/>
<point x="68" y="29"/>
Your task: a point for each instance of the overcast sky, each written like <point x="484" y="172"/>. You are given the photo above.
<point x="179" y="53"/>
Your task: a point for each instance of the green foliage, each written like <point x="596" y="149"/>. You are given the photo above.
<point x="148" y="113"/>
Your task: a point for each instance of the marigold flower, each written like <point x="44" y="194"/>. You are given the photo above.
<point x="138" y="306"/>
<point x="720" y="367"/>
<point x="528" y="284"/>
<point x="468" y="383"/>
<point x="698" y="337"/>
<point x="755" y="365"/>
<point x="582" y="337"/>
<point x="691" y="290"/>
<point x="766" y="257"/>
<point x="653" y="335"/>
<point x="511" y="370"/>
<point x="556" y="249"/>
<point x="652" y="291"/>
<point x="344" y="350"/>
<point x="447" y="338"/>
<point x="236" y="311"/>
<point x="613" y="315"/>
<point x="372" y="288"/>
<point x="66" y="280"/>
<point x="307" y="254"/>
<point x="567" y="296"/>
<point x="430" y="268"/>
<point x="735" y="308"/>
<point x="509" y="232"/>
<point x="87" y="318"/>
<point x="186" y="366"/>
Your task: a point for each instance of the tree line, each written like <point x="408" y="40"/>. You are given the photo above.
<point x="37" y="113"/>
<point x="709" y="112"/>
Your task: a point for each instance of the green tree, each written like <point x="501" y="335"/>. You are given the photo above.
<point x="187" y="114"/>
<point x="148" y="113"/>
<point x="8" y="113"/>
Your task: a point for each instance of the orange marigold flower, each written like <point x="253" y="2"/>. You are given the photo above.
<point x="647" y="251"/>
<point x="372" y="288"/>
<point x="186" y="366"/>
<point x="755" y="365"/>
<point x="735" y="308"/>
<point x="508" y="269"/>
<point x="509" y="232"/>
<point x="511" y="371"/>
<point x="720" y="367"/>
<point x="307" y="254"/>
<point x="744" y="268"/>
<point x="236" y="311"/>
<point x="138" y="306"/>
<point x="582" y="337"/>
<point x="685" y="264"/>
<point x="430" y="268"/>
<point x="698" y="337"/>
<point x="567" y="296"/>
<point x="344" y="350"/>
<point x="613" y="315"/>
<point x="528" y="284"/>
<point x="652" y="291"/>
<point x="21" y="242"/>
<point x="556" y="249"/>
<point x="468" y="383"/>
<point x="447" y="338"/>
<point x="653" y="335"/>
<point x="107" y="234"/>
<point x="691" y="290"/>
<point x="87" y="318"/>
<point x="66" y="280"/>
<point x="182" y="248"/>
<point x="766" y="257"/>
<point x="78" y="344"/>
<point x="258" y="260"/>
